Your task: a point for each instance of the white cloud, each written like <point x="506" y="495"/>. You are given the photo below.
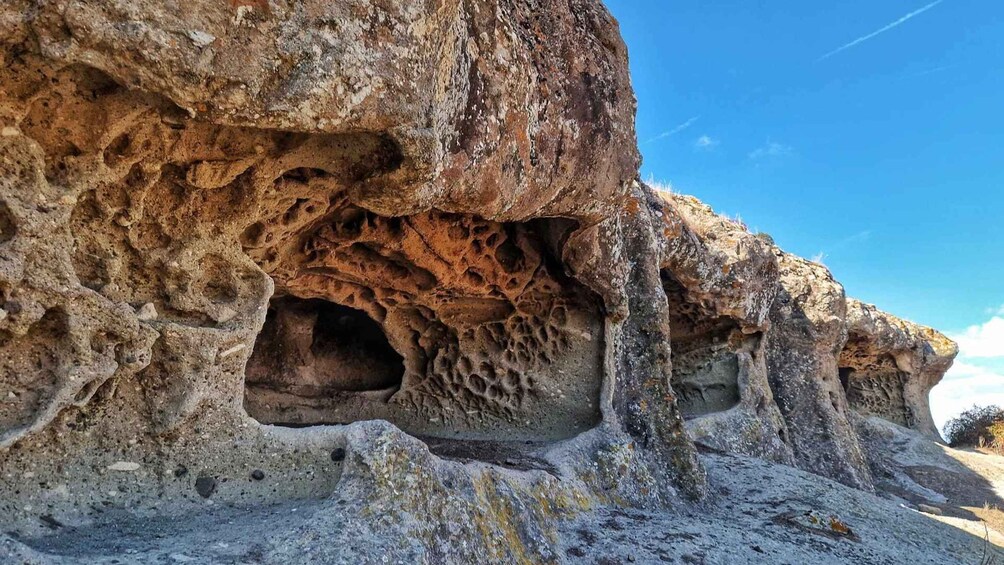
<point x="932" y="71"/>
<point x="705" y="142"/>
<point x="771" y="150"/>
<point x="861" y="236"/>
<point x="984" y="340"/>
<point x="977" y="378"/>
<point x="966" y="385"/>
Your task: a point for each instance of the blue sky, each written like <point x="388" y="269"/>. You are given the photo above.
<point x="869" y="134"/>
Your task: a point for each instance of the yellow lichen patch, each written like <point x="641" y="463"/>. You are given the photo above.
<point x="496" y="522"/>
<point x="582" y="501"/>
<point x="837" y="526"/>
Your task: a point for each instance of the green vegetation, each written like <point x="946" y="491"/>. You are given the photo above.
<point x="980" y="426"/>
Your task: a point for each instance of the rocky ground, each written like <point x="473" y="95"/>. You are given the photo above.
<point x="962" y="487"/>
<point x="756" y="512"/>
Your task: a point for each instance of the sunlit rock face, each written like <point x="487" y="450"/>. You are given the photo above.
<point x="720" y="281"/>
<point x="889" y="366"/>
<point x="233" y="233"/>
<point x="808" y="329"/>
<point x="771" y="359"/>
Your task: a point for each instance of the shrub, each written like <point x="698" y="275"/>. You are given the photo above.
<point x="997" y="433"/>
<point x="977" y="427"/>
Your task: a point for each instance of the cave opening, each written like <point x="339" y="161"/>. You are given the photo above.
<point x="446" y="325"/>
<point x="873" y="383"/>
<point x="845" y="378"/>
<point x="702" y="353"/>
<point x="353" y="349"/>
<point x="311" y="350"/>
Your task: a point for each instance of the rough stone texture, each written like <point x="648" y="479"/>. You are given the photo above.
<point x="187" y="238"/>
<point x="413" y="232"/>
<point x="382" y="495"/>
<point x="889" y="367"/>
<point x="808" y="331"/>
<point x="481" y="312"/>
<point x="190" y="217"/>
<point x="432" y="77"/>
<point x="720" y="281"/>
<point x="769" y="355"/>
<point x="757" y="513"/>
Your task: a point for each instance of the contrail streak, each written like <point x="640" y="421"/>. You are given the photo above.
<point x="675" y="130"/>
<point x="896" y="23"/>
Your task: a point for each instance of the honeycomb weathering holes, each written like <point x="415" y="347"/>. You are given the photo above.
<point x="874" y="383"/>
<point x="495" y="340"/>
<point x="446" y="324"/>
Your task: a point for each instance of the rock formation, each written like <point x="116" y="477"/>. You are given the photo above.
<point x="233" y="234"/>
<point x="784" y="361"/>
<point x="888" y="367"/>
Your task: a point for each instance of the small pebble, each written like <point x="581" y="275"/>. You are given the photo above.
<point x="147" y="312"/>
<point x="205" y="486"/>
<point x="338" y="454"/>
<point x="201" y="38"/>
<point x="257" y="474"/>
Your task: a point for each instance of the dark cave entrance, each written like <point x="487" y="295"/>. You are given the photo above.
<point x="703" y="354"/>
<point x="312" y="350"/>
<point x="845" y="378"/>
<point x="446" y="325"/>
<point x="351" y="347"/>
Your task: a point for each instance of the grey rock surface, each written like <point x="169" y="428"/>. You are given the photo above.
<point x="756" y="512"/>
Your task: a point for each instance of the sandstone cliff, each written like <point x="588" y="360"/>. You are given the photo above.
<point x="233" y="235"/>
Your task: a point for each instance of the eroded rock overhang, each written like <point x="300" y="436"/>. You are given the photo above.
<point x="720" y="282"/>
<point x="433" y="76"/>
<point x="225" y="216"/>
<point x="889" y="366"/>
<point x="199" y="223"/>
<point x="334" y="211"/>
<point x="771" y="359"/>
